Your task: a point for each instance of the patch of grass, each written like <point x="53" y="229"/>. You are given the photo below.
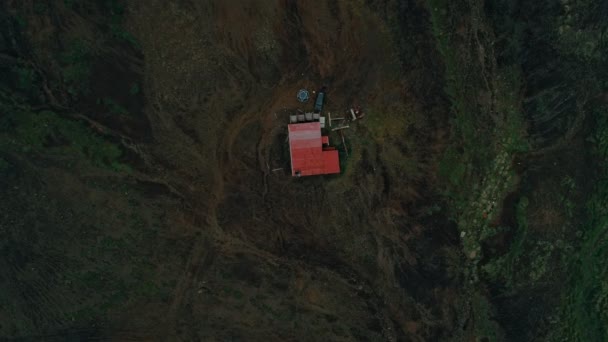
<point x="116" y="299"/>
<point x="508" y="82"/>
<point x="234" y="293"/>
<point x="112" y="244"/>
<point x="486" y="327"/>
<point x="401" y="164"/>
<point x="40" y="7"/>
<point x="119" y="32"/>
<point x="76" y="67"/>
<point x="148" y="289"/>
<point x="4" y="165"/>
<point x="70" y="3"/>
<point x="90" y="280"/>
<point x="21" y="21"/>
<point x="582" y="315"/>
<point x="25" y="78"/>
<point x="390" y="123"/>
<point x="585" y="304"/>
<point x="452" y="167"/>
<point x="476" y="167"/>
<point x="488" y="129"/>
<point x="265" y="308"/>
<point x="521" y="212"/>
<point x="113" y="106"/>
<point x="528" y="259"/>
<point x="115" y="10"/>
<point x="45" y="131"/>
<point x="466" y="142"/>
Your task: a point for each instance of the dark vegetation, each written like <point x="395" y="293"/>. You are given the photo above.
<point x="559" y="245"/>
<point x="138" y="201"/>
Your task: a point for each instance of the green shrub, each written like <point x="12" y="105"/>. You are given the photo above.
<point x="134" y="90"/>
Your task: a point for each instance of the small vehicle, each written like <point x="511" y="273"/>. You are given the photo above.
<point x="320" y="100"/>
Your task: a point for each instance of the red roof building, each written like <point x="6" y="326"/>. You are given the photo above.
<point x="309" y="151"/>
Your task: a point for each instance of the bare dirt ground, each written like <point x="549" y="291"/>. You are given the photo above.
<point x="238" y="252"/>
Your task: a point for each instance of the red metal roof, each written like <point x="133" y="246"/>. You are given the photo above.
<point x="306" y="151"/>
<point x="331" y="161"/>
